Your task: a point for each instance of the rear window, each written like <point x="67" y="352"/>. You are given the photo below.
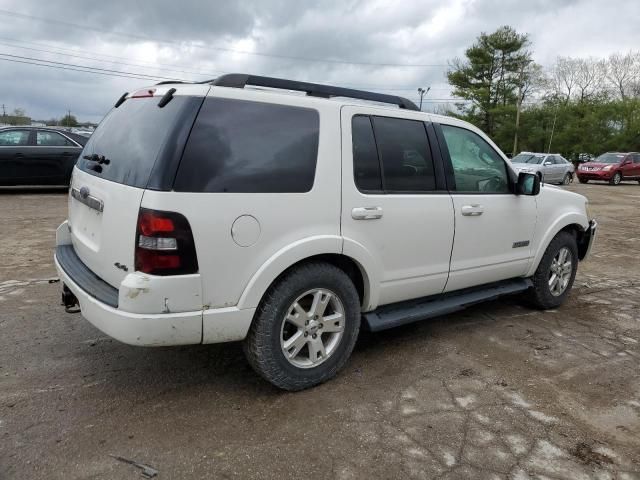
<point x="250" y="147"/>
<point x="132" y="138"/>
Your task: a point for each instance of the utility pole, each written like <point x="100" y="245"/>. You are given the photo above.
<point x="518" y="108"/>
<point x="422" y="92"/>
<point x="553" y="127"/>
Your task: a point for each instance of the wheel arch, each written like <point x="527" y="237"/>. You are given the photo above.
<point x="323" y="249"/>
<point x="570" y="222"/>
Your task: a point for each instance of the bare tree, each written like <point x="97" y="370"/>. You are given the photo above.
<point x="623" y="73"/>
<point x="564" y="77"/>
<point x="590" y="76"/>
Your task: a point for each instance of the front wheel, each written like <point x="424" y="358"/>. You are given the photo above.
<point x="305" y="328"/>
<point x="556" y="272"/>
<point x="616" y="179"/>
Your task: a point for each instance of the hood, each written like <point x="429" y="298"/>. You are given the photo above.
<point x="526" y="167"/>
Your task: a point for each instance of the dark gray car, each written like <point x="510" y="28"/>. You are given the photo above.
<point x="38" y="156"/>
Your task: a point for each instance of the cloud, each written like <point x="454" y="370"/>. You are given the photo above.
<point x="362" y="41"/>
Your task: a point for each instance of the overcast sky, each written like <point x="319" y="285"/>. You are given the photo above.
<point x="397" y="46"/>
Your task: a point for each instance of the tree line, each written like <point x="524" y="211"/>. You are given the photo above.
<point x="578" y="105"/>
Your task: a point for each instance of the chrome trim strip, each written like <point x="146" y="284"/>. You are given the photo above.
<point x="90" y="201"/>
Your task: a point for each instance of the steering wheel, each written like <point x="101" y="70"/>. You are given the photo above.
<point x="492" y="184"/>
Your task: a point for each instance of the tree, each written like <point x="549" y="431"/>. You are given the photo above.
<point x="69" y="121"/>
<point x="490" y="74"/>
<point x="623" y="73"/>
<point x="18" y="112"/>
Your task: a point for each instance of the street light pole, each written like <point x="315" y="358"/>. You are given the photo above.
<point x="422" y="92"/>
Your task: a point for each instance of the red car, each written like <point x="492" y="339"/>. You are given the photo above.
<point x="612" y="167"/>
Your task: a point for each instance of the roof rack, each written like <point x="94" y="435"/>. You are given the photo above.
<point x="240" y="80"/>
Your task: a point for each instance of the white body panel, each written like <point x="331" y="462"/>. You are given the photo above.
<point x="411" y="240"/>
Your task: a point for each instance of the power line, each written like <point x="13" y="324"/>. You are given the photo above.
<point x="75" y="55"/>
<point x="105" y="70"/>
<point x="74" y="69"/>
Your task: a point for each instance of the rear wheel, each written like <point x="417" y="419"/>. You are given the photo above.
<point x="567" y="179"/>
<point x="305" y="328"/>
<point x="616" y="179"/>
<point x="556" y="272"/>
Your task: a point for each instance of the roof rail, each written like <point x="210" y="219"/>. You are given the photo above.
<point x="240" y="80"/>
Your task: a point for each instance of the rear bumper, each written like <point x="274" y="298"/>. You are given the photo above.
<point x="102" y="305"/>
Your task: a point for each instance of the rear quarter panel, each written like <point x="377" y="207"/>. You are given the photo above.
<point x="293" y="226"/>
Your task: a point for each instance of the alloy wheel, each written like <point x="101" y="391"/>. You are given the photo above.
<point x="312" y="328"/>
<point x="560" y="272"/>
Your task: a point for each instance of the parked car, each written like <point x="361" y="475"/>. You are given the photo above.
<point x="38" y="156"/>
<point x="550" y="167"/>
<point x="612" y="167"/>
<point x="217" y="212"/>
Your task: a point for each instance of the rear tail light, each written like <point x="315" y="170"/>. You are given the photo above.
<point x="164" y="244"/>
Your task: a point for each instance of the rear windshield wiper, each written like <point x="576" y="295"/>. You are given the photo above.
<point x="97" y="158"/>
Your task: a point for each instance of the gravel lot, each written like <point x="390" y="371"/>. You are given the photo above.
<point x="497" y="391"/>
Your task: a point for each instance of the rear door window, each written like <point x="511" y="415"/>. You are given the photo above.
<point x="250" y="147"/>
<point x="405" y="156"/>
<point x="52" y="139"/>
<point x="366" y="164"/>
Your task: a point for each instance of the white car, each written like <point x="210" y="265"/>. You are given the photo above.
<point x="241" y="209"/>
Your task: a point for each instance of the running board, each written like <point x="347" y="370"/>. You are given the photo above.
<point x="396" y="314"/>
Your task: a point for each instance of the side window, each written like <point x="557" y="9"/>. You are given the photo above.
<point x="405" y="156"/>
<point x="14" y="138"/>
<point x="52" y="139"/>
<point x="636" y="158"/>
<point x="250" y="147"/>
<point x="366" y="165"/>
<point x="477" y="167"/>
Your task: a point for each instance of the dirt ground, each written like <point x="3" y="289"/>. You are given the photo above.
<point x="496" y="391"/>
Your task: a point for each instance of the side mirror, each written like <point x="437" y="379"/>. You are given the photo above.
<point x="528" y="184"/>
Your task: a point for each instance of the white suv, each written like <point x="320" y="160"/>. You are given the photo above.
<point x="243" y="209"/>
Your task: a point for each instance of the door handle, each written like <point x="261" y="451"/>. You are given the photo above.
<point x="366" y="213"/>
<point x="472" y="210"/>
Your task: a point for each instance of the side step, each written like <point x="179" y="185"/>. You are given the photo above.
<point x="396" y="314"/>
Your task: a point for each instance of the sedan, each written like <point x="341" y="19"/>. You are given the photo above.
<point x="38" y="156"/>
<point x="550" y="167"/>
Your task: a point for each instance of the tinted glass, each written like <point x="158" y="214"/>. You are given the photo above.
<point x="636" y="158"/>
<point x="13" y="138"/>
<point x="404" y="152"/>
<point x="52" y="139"/>
<point x="242" y="146"/>
<point x="610" y="158"/>
<point x="131" y="138"/>
<point x="366" y="166"/>
<point x="477" y="166"/>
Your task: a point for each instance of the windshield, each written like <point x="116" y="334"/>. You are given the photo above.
<point x="132" y="137"/>
<point x="527" y="158"/>
<point x="610" y="158"/>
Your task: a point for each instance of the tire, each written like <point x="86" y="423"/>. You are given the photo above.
<point x="616" y="179"/>
<point x="583" y="180"/>
<point x="541" y="295"/>
<point x="269" y="332"/>
<point x="567" y="179"/>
